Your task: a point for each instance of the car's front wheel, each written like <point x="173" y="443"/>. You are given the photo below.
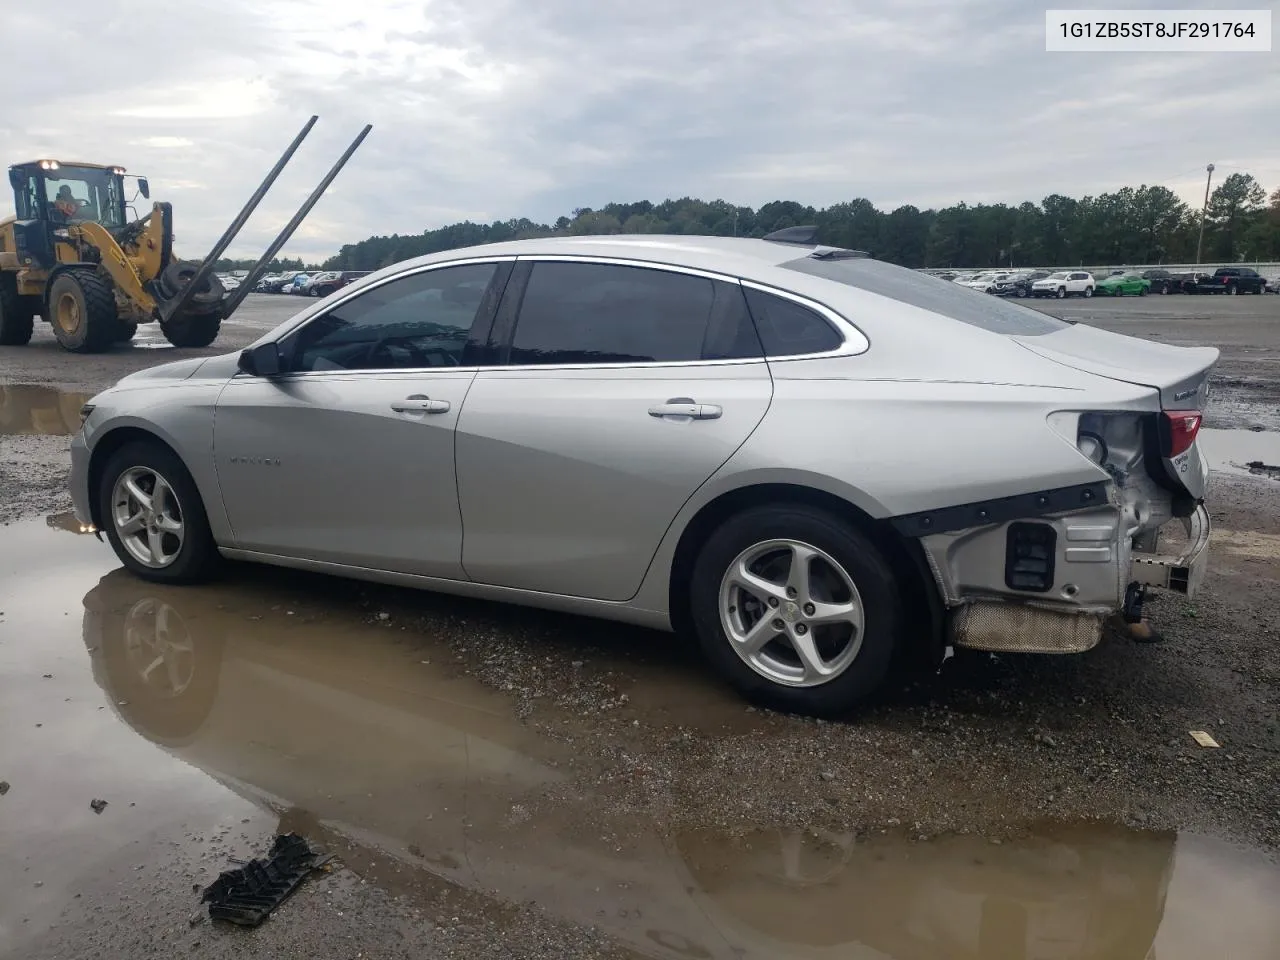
<point x="1062" y="293"/>
<point x="796" y="608"/>
<point x="153" y="515"/>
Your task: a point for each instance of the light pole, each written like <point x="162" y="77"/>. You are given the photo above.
<point x="1203" y="209"/>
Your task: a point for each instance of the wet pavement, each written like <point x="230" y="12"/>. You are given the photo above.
<point x="499" y="782"/>
<point x="210" y="718"/>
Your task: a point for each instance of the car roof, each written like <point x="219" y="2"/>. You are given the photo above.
<point x="730" y="255"/>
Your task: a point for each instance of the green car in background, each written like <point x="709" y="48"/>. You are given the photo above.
<point x="1122" y="283"/>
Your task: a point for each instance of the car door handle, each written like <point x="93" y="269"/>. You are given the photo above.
<point x="418" y="403"/>
<point x="684" y="407"/>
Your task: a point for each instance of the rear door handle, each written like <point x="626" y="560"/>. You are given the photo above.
<point x="686" y="408"/>
<point x="420" y="403"/>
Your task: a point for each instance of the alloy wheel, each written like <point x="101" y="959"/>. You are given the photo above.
<point x="147" y="517"/>
<point x="791" y="613"/>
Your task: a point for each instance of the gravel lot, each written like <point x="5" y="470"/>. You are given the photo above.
<point x="502" y="782"/>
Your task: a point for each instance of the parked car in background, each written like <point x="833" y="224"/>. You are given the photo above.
<point x="1185" y="281"/>
<point x="1161" y="281"/>
<point x="1065" y="283"/>
<point x="698" y="462"/>
<point x="307" y="288"/>
<point x="986" y="282"/>
<point x="1231" y="280"/>
<point x="1019" y="284"/>
<point x="297" y="284"/>
<point x="277" y="282"/>
<point x="1273" y="284"/>
<point x="332" y="282"/>
<point x="1120" y="284"/>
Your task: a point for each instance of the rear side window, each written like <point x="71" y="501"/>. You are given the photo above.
<point x="788" y="329"/>
<point x="575" y="313"/>
<point x="929" y="293"/>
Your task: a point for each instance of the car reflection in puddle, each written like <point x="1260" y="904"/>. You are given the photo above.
<point x="425" y="783"/>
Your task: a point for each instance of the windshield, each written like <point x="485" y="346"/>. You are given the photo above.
<point x="84" y="193"/>
<point x="1056" y="276"/>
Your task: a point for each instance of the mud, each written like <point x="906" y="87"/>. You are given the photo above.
<point x="595" y="793"/>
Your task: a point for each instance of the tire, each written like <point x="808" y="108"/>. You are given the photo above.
<point x="1021" y="293"/>
<point x="1087" y="293"/>
<point x="125" y="329"/>
<point x="82" y="311"/>
<point x="1164" y="289"/>
<point x="1142" y="291"/>
<point x="843" y="552"/>
<point x="1233" y="289"/>
<point x="17" y="320"/>
<point x="192" y="329"/>
<point x="179" y="273"/>
<point x="188" y="556"/>
<point x="1062" y="293"/>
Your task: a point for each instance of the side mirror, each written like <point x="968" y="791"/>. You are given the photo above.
<point x="262" y="360"/>
<point x="144" y="188"/>
<point x="16" y="179"/>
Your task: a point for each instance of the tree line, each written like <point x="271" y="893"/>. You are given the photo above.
<point x="1142" y="225"/>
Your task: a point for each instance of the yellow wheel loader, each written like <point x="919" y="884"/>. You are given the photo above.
<point x="72" y="256"/>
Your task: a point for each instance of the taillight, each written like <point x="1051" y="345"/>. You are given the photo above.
<point x="1180" y="429"/>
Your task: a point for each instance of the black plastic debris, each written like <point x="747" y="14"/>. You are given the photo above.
<point x="246" y="895"/>
<point x="4" y="787"/>
<point x="97" y="806"/>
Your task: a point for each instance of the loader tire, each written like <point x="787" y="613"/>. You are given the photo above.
<point x="179" y="273"/>
<point x="82" y="311"/>
<point x="16" y="318"/>
<point x="192" y="329"/>
<point x="125" y="329"/>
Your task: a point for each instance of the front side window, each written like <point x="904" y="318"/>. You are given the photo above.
<point x="587" y="313"/>
<point x="84" y="193"/>
<point x="419" y="321"/>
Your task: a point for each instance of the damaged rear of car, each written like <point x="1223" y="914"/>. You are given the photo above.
<point x="1037" y="464"/>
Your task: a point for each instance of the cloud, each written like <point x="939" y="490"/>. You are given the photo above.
<point x="509" y="108"/>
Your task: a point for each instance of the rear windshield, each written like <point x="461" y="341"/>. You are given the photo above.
<point x="930" y="293"/>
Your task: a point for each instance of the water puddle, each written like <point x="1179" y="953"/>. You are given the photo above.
<point x="27" y="410"/>
<point x="229" y="703"/>
<point x="1242" y="453"/>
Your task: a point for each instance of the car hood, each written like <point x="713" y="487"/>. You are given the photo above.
<point x="224" y="365"/>
<point x="178" y="370"/>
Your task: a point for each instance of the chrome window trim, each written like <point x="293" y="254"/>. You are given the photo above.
<point x="854" y="340"/>
<point x="327" y="308"/>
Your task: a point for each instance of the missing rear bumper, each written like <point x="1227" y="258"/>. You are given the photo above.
<point x="1184" y="572"/>
<point x="1012" y="627"/>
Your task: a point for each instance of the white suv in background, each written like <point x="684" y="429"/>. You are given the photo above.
<point x="1063" y="283"/>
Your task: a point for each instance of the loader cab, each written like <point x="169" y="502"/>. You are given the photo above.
<point x="50" y="196"/>
<point x="65" y="193"/>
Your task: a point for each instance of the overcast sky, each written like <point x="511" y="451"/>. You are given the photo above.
<point x="490" y="109"/>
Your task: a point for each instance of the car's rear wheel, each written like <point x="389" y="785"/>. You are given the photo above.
<point x="796" y="608"/>
<point x="1088" y="292"/>
<point x="153" y="515"/>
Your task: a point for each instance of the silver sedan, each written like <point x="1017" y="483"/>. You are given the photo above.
<point x="816" y="463"/>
